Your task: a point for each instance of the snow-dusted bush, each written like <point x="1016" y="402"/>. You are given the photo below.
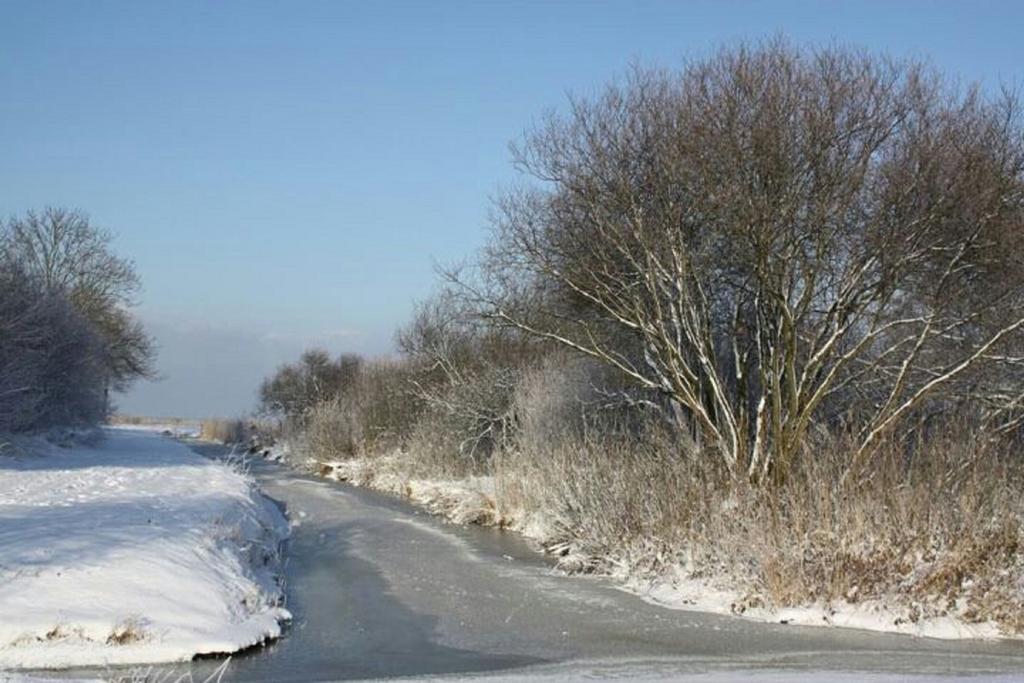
<point x="934" y="534"/>
<point x="51" y="358"/>
<point x="332" y="430"/>
<point x="374" y="413"/>
<point x="464" y="373"/>
<point x="67" y="256"/>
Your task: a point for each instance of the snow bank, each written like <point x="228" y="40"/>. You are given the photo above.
<point x="641" y="671"/>
<point x="678" y="589"/>
<point x="130" y="551"/>
<point x="463" y="501"/>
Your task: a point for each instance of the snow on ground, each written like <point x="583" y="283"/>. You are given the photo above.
<point x="640" y="672"/>
<point x="678" y="590"/>
<point x="132" y="550"/>
<point x="660" y="672"/>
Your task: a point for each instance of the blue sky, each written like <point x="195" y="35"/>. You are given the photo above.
<point x="286" y="174"/>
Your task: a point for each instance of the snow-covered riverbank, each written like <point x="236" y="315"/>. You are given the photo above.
<point x="132" y="550"/>
<point x="477" y="500"/>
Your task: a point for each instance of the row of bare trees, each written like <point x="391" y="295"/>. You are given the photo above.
<point x="454" y="372"/>
<point x="766" y="247"/>
<point x="67" y="336"/>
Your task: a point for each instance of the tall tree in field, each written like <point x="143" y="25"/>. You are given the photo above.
<point x="774" y="239"/>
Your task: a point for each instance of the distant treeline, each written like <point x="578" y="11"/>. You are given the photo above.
<point x="67" y="336"/>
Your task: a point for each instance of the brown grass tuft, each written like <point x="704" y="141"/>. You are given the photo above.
<point x="225" y="431"/>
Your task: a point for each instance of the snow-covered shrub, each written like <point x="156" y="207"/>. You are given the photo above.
<point x="374" y="414"/>
<point x="934" y="532"/>
<point x="385" y="410"/>
<point x="51" y="358"/>
<point x="67" y="338"/>
<point x="62" y="253"/>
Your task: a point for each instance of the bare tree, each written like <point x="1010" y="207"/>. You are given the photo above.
<point x="464" y="371"/>
<point x="67" y="255"/>
<point x="773" y="239"/>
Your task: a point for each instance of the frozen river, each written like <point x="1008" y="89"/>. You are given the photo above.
<point x="379" y="589"/>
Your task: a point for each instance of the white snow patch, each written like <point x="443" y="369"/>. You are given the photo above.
<point x="464" y="501"/>
<point x="132" y="551"/>
<point x="659" y="672"/>
<point x="678" y="590"/>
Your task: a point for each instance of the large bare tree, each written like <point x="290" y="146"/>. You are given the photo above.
<point x="773" y="239"/>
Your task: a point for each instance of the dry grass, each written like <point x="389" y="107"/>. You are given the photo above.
<point x="936" y="534"/>
<point x="439" y="452"/>
<point x="225" y="431"/>
<point x="154" y="674"/>
<point x="129" y="631"/>
<point x="331" y="431"/>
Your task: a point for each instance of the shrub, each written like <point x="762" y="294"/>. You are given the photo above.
<point x="927" y="528"/>
<point x="51" y="359"/>
<point x="376" y="414"/>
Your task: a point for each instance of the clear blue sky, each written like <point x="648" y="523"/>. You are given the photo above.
<point x="285" y="174"/>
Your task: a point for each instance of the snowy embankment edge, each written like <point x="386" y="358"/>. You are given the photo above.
<point x="232" y="552"/>
<point x="473" y="501"/>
